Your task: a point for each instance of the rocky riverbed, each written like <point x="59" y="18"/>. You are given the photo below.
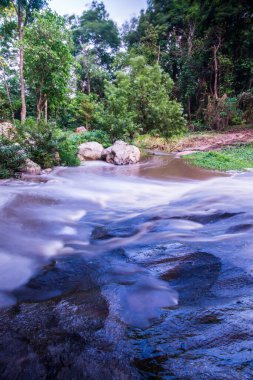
<point x="134" y="272"/>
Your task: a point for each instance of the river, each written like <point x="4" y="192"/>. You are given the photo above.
<point x="137" y="272"/>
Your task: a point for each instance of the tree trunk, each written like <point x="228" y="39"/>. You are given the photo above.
<point x="8" y="95"/>
<point x="88" y="86"/>
<point x="38" y="106"/>
<point x="21" y="63"/>
<point x="46" y="110"/>
<point x="38" y="113"/>
<point x="189" y="109"/>
<point x="216" y="69"/>
<point x="159" y="54"/>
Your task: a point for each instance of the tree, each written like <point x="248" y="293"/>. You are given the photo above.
<point x="7" y="89"/>
<point x="140" y="101"/>
<point x="90" y="74"/>
<point x="48" y="60"/>
<point x="205" y="46"/>
<point x="96" y="39"/>
<point x="24" y="11"/>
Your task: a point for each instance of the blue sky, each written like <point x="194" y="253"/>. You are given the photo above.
<point x="120" y="10"/>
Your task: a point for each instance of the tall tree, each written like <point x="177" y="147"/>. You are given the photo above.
<point x="24" y="11"/>
<point x="96" y="39"/>
<point x="48" y="60"/>
<point x="206" y="47"/>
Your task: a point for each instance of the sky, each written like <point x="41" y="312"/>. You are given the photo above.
<point x="119" y="10"/>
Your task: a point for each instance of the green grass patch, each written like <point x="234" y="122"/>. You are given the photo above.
<point x="236" y="158"/>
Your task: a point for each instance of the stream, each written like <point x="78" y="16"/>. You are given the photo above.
<point x="134" y="272"/>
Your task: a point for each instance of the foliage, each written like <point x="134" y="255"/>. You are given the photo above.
<point x="68" y="150"/>
<point x="94" y="28"/>
<point x="47" y="59"/>
<point x="223" y="112"/>
<point x="205" y="46"/>
<point x="40" y="141"/>
<point x="12" y="159"/>
<point x="97" y="135"/>
<point x="96" y="40"/>
<point x="237" y="158"/>
<point x="81" y="110"/>
<point x="68" y="146"/>
<point x="245" y="102"/>
<point x="138" y="101"/>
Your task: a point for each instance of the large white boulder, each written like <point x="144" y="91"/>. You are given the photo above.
<point x="121" y="154"/>
<point x="91" y="151"/>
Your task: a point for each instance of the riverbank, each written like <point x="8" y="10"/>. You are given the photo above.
<point x="238" y="158"/>
<point x="226" y="151"/>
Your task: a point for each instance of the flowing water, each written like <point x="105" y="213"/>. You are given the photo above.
<point x="141" y="272"/>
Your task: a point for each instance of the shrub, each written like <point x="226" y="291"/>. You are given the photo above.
<point x="67" y="149"/>
<point x="12" y="159"/>
<point x="68" y="146"/>
<point x="223" y="112"/>
<point x="139" y="101"/>
<point x="40" y="141"/>
<point x="99" y="136"/>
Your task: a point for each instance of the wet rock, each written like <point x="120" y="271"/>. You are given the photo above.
<point x="208" y="335"/>
<point x="239" y="228"/>
<point x="47" y="171"/>
<point x="60" y="277"/>
<point x="194" y="275"/>
<point x="121" y="154"/>
<point x="206" y="218"/>
<point x="90" y="150"/>
<point x="113" y="231"/>
<point x="66" y="337"/>
<point x="100" y="233"/>
<point x="31" y="168"/>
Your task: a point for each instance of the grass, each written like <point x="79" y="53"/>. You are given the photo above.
<point x="157" y="143"/>
<point x="236" y="158"/>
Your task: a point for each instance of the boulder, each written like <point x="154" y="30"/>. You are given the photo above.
<point x="90" y="150"/>
<point x="31" y="168"/>
<point x="121" y="154"/>
<point x="81" y="130"/>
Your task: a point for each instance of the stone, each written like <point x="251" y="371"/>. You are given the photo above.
<point x="47" y="171"/>
<point x="120" y="153"/>
<point x="31" y="168"/>
<point x="90" y="150"/>
<point x="81" y="130"/>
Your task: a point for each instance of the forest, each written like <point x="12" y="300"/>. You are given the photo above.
<point x="180" y="67"/>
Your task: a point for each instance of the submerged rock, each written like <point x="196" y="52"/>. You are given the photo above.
<point x="120" y="153"/>
<point x="67" y="333"/>
<point x="90" y="150"/>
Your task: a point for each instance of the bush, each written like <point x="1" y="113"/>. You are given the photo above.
<point x="40" y="141"/>
<point x="139" y="101"/>
<point x="223" y="112"/>
<point x="68" y="152"/>
<point x="12" y="159"/>
<point x="68" y="147"/>
<point x="76" y="139"/>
